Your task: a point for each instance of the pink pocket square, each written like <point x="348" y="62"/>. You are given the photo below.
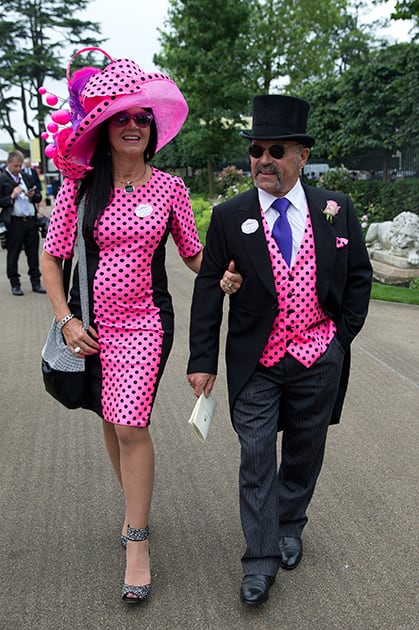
<point x="341" y="242"/>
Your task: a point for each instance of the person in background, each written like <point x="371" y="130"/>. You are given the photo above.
<point x="32" y="172"/>
<point x="305" y="293"/>
<point x="19" y="196"/>
<point x="121" y="117"/>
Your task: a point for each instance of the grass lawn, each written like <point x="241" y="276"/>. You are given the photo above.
<point x="391" y="293"/>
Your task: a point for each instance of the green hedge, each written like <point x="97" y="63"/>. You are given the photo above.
<point x="378" y="200"/>
<point x="202" y="212"/>
<point x="374" y="200"/>
<point x="383" y="201"/>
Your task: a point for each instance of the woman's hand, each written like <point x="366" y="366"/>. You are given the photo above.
<point x="231" y="281"/>
<point x="81" y="342"/>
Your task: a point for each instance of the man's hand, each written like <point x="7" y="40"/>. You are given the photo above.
<point x="201" y="382"/>
<point x="30" y="193"/>
<point x="231" y="280"/>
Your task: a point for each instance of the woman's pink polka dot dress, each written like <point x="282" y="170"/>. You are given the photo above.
<point x="131" y="304"/>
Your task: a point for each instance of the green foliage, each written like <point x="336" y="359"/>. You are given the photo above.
<point x="297" y="41"/>
<point x="383" y="201"/>
<point x="231" y="181"/>
<point x="32" y="35"/>
<point x="337" y="178"/>
<point x="407" y="10"/>
<point x="222" y="53"/>
<point x="202" y="213"/>
<point x="374" y="200"/>
<point x="204" y="48"/>
<point x="198" y="182"/>
<point x="371" y="106"/>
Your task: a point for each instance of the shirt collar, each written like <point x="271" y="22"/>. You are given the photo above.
<point x="295" y="196"/>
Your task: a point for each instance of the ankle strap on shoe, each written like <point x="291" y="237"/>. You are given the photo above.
<point x="137" y="534"/>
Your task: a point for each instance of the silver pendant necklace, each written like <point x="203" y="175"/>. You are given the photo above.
<point x="129" y="187"/>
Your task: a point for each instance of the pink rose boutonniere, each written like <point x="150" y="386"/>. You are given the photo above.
<point x="331" y="210"/>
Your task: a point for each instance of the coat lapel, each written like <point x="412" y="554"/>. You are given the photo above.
<point x="248" y="215"/>
<point x="324" y="238"/>
<point x="250" y="230"/>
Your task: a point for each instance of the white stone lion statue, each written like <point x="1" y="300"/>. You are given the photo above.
<point x="399" y="237"/>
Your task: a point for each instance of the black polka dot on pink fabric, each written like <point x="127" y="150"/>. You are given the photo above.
<point x="301" y="328"/>
<point x="129" y="233"/>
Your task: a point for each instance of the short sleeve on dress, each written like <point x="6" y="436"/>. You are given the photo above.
<point x="62" y="229"/>
<point x="183" y="226"/>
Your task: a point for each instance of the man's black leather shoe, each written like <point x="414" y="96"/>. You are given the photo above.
<point x="255" y="588"/>
<point x="17" y="291"/>
<point x="38" y="288"/>
<point x="291" y="550"/>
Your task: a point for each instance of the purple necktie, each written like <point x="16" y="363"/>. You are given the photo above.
<point x="281" y="230"/>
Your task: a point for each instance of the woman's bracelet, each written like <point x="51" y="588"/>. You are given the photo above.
<point x="64" y="320"/>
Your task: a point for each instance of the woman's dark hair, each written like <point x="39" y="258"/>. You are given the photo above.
<point x="152" y="143"/>
<point x="98" y="183"/>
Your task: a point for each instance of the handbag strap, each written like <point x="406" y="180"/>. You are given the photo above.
<point x="83" y="285"/>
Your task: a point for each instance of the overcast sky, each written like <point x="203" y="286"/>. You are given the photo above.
<point x="131" y="29"/>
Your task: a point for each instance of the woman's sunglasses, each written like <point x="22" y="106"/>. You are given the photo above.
<point x="277" y="151"/>
<point x="142" y="119"/>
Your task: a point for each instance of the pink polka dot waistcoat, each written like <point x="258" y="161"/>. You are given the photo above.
<point x="301" y="328"/>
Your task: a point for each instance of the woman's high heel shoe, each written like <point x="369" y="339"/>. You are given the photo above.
<point x="140" y="592"/>
<point x="124" y="539"/>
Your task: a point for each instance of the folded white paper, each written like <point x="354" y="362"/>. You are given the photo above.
<point x="202" y="415"/>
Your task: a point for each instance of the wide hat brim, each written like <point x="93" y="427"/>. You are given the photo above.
<point x="120" y="86"/>
<point x="279" y="117"/>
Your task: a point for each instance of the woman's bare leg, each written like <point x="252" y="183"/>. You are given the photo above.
<point x="112" y="447"/>
<point x="136" y="463"/>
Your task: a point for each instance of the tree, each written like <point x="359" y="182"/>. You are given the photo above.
<point x="291" y="42"/>
<point x="371" y="107"/>
<point x="223" y="52"/>
<point x="405" y="10"/>
<point x="204" y="51"/>
<point x="33" y="34"/>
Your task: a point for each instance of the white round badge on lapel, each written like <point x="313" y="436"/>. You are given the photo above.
<point x="249" y="226"/>
<point x="143" y="210"/>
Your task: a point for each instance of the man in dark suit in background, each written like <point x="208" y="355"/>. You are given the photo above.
<point x="18" y="198"/>
<point x="27" y="169"/>
<point x="305" y="293"/>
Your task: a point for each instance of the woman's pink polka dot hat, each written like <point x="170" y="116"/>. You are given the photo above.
<point x="97" y="94"/>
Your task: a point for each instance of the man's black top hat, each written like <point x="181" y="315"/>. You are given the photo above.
<point x="278" y="117"/>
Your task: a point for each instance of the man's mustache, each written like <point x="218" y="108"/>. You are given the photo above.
<point x="267" y="170"/>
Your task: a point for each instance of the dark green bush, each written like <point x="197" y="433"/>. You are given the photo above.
<point x="198" y="182"/>
<point x="383" y="201"/>
<point x="378" y="200"/>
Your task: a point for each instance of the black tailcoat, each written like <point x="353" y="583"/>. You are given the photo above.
<point x="343" y="286"/>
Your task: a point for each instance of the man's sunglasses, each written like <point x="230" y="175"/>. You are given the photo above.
<point x="121" y="119"/>
<point x="277" y="151"/>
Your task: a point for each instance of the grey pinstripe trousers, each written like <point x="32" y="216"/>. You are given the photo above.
<point x="273" y="501"/>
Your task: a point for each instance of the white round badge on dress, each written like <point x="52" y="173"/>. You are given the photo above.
<point x="250" y="226"/>
<point x="143" y="210"/>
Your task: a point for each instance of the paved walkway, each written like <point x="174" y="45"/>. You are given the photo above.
<point x="61" y="509"/>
